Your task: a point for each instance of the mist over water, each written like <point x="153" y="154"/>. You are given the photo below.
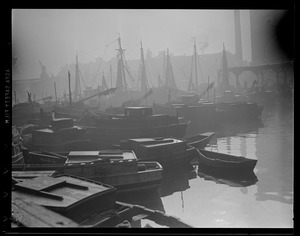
<point x="263" y="199"/>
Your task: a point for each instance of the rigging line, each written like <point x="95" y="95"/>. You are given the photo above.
<point x="82" y="79"/>
<point x="179" y="68"/>
<point x="131" y="57"/>
<point x="100" y="64"/>
<point x="148" y="80"/>
<point x="125" y="66"/>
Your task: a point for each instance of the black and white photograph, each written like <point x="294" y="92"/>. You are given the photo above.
<point x="151" y="118"/>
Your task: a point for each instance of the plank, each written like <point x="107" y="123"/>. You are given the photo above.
<point x="32" y="215"/>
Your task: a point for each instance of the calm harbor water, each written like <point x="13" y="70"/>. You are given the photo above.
<point x="262" y="200"/>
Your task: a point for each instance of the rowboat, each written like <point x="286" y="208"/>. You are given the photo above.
<point x="169" y="152"/>
<point x="200" y="140"/>
<point x="119" y="168"/>
<point x="221" y="162"/>
<point x="86" y="203"/>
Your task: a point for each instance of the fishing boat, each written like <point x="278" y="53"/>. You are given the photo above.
<point x="192" y="106"/>
<point x="17" y="154"/>
<point x="266" y="98"/>
<point x="85" y="202"/>
<point x="224" y="163"/>
<point x="77" y="110"/>
<point x="61" y="135"/>
<point x="119" y="168"/>
<point x="136" y="122"/>
<point x="31" y="111"/>
<point x="169" y="152"/>
<point x="236" y="107"/>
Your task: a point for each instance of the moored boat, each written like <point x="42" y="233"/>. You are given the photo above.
<point x="226" y="163"/>
<point x="169" y="152"/>
<point x="137" y="122"/>
<point x="84" y="202"/>
<point x="200" y="140"/>
<point x="62" y="135"/>
<point x="119" y="168"/>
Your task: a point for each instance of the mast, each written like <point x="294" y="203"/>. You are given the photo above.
<point x="110" y="70"/>
<point x="55" y="93"/>
<point x="104" y="84"/>
<point x="191" y="85"/>
<point x="169" y="75"/>
<point x="144" y="81"/>
<point x="121" y="81"/>
<point x="225" y="78"/>
<point x="70" y="93"/>
<point x="196" y="72"/>
<point x="77" y="93"/>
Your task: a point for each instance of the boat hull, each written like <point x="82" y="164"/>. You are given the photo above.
<point x="107" y="137"/>
<point x="224" y="163"/>
<point x="182" y="159"/>
<point x="144" y="176"/>
<point x="201" y="140"/>
<point x="245" y="111"/>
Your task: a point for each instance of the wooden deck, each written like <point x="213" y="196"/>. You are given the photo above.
<point x="28" y="214"/>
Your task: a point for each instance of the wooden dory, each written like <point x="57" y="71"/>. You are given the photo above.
<point x="224" y="162"/>
<point x="200" y="140"/>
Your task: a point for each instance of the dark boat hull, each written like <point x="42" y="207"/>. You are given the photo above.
<point x="106" y="137"/>
<point x="242" y="111"/>
<point x="224" y="163"/>
<point x="182" y="159"/>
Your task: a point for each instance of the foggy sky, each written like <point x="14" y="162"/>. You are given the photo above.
<point x="54" y="35"/>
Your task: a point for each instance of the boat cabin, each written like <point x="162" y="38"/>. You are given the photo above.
<point x="101" y="163"/>
<point x="62" y="130"/>
<point x="108" y="155"/>
<point x="146" y="147"/>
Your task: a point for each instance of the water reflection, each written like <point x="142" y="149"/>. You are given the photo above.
<point x="239" y="128"/>
<point x="259" y="199"/>
<point x="176" y="181"/>
<point x="150" y="199"/>
<point x="230" y="179"/>
<point x="275" y="155"/>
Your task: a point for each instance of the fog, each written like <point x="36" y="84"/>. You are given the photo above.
<point x="53" y="36"/>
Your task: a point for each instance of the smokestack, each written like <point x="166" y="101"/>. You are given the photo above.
<point x="238" y="36"/>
